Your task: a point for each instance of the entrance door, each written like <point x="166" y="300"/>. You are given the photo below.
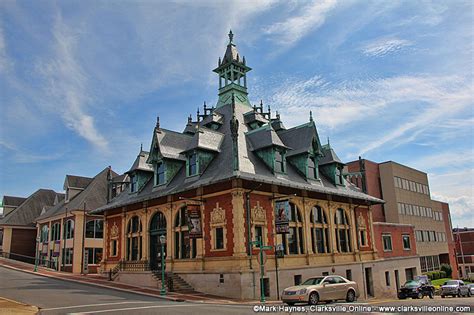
<point x="369" y="284"/>
<point x="397" y="280"/>
<point x="157" y="228"/>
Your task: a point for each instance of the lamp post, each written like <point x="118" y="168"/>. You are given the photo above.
<point x="36" y="254"/>
<point x="258" y="243"/>
<point x="162" y="243"/>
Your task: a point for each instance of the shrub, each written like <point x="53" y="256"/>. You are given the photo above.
<point x="448" y="269"/>
<point x="442" y="274"/>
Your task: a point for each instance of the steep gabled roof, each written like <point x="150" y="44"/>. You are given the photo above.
<point x="206" y="139"/>
<point x="300" y="138"/>
<point x="264" y="137"/>
<point x="329" y="156"/>
<point x="30" y="209"/>
<point x="75" y="181"/>
<point x="12" y="201"/>
<point x="92" y="197"/>
<point x="171" y="144"/>
<point x="140" y="163"/>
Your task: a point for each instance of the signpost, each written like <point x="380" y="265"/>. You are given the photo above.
<point x="36" y="254"/>
<point x="86" y="262"/>
<point x="262" y="258"/>
<point x="162" y="243"/>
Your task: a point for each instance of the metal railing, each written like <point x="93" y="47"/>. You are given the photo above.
<point x="124" y="265"/>
<point x="52" y="264"/>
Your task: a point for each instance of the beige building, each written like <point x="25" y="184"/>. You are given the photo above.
<point x="70" y="239"/>
<point x="408" y="201"/>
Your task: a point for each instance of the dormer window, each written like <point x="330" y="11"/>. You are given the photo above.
<point x="338" y="176"/>
<point x="133" y="183"/>
<point x="312" y="168"/>
<point x="192" y="164"/>
<point x="160" y="173"/>
<point x="280" y="161"/>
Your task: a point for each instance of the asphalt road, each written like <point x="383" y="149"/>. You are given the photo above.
<point x="54" y="296"/>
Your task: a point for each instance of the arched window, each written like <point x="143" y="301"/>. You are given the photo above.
<point x="319" y="230"/>
<point x="134" y="239"/>
<point x="95" y="228"/>
<point x="56" y="232"/>
<point x="342" y="231"/>
<point x="44" y="234"/>
<point x="184" y="247"/>
<point x="293" y="241"/>
<point x="69" y="229"/>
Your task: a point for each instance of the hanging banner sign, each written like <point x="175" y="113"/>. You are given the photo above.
<point x="282" y="216"/>
<point x="194" y="221"/>
<point x="56" y="248"/>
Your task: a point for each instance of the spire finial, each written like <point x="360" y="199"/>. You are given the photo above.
<point x="205" y="107"/>
<point x="329" y="145"/>
<point x="277" y="115"/>
<point x="231" y="37"/>
<point x="141" y="147"/>
<point x="157" y="122"/>
<point x="310" y="115"/>
<point x="190" y="119"/>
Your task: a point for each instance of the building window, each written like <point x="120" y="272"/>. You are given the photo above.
<point x="160" y="173"/>
<point x="69" y="229"/>
<point x="95" y="228"/>
<point x="279" y="161"/>
<point x="319" y="230"/>
<point x="192" y="164"/>
<point x="133" y="183"/>
<point x="219" y="233"/>
<point x="387" y="278"/>
<point x="185" y="247"/>
<point x="363" y="237"/>
<point x="406" y="242"/>
<point x="56" y="232"/>
<point x="349" y="274"/>
<point x="259" y="234"/>
<point x="44" y="234"/>
<point x="297" y="279"/>
<point x="134" y="239"/>
<point x="339" y="180"/>
<point x="387" y="242"/>
<point x="113" y="248"/>
<point x="94" y="256"/>
<point x="293" y="241"/>
<point x="68" y="256"/>
<point x="312" y="168"/>
<point x="342" y="231"/>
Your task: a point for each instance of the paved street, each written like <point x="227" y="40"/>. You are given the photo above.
<point x="62" y="297"/>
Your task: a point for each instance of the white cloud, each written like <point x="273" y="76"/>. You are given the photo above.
<point x="311" y="17"/>
<point x="384" y="46"/>
<point x="66" y="85"/>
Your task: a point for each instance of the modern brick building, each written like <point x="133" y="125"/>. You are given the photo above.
<point x="408" y="203"/>
<point x="234" y="176"/>
<point x="464" y="242"/>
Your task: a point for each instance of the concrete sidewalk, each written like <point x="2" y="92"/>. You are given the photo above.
<point x="98" y="280"/>
<point x="13" y="307"/>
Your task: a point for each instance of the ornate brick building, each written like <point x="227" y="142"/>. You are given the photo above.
<point x="226" y="173"/>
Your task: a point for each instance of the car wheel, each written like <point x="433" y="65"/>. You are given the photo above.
<point x="313" y="298"/>
<point x="290" y="303"/>
<point x="431" y="294"/>
<point x="402" y="297"/>
<point x="468" y="293"/>
<point x="459" y="293"/>
<point x="419" y="295"/>
<point x="350" y="297"/>
<point x="442" y="296"/>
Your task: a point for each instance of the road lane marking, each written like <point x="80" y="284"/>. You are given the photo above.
<point x="134" y="308"/>
<point x="90" y="305"/>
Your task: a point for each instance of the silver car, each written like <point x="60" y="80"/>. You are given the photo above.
<point x="455" y="288"/>
<point x="329" y="288"/>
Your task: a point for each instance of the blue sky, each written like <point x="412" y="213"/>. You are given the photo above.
<point x="82" y="81"/>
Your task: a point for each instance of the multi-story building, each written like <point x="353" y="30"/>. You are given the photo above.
<point x="70" y="238"/>
<point x="236" y="176"/>
<point x="18" y="227"/>
<point x="464" y="242"/>
<point x="408" y="202"/>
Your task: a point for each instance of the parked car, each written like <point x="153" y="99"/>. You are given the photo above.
<point x="471" y="288"/>
<point x="416" y="289"/>
<point x="455" y="288"/>
<point x="314" y="290"/>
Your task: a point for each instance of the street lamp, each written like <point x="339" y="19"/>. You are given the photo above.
<point x="36" y="254"/>
<point x="162" y="243"/>
<point x="259" y="244"/>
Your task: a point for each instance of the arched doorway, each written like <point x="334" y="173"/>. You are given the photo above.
<point x="157" y="228"/>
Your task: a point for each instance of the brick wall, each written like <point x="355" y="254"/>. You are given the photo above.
<point x="225" y="202"/>
<point x="110" y="223"/>
<point x="396" y="231"/>
<point x="451" y="241"/>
